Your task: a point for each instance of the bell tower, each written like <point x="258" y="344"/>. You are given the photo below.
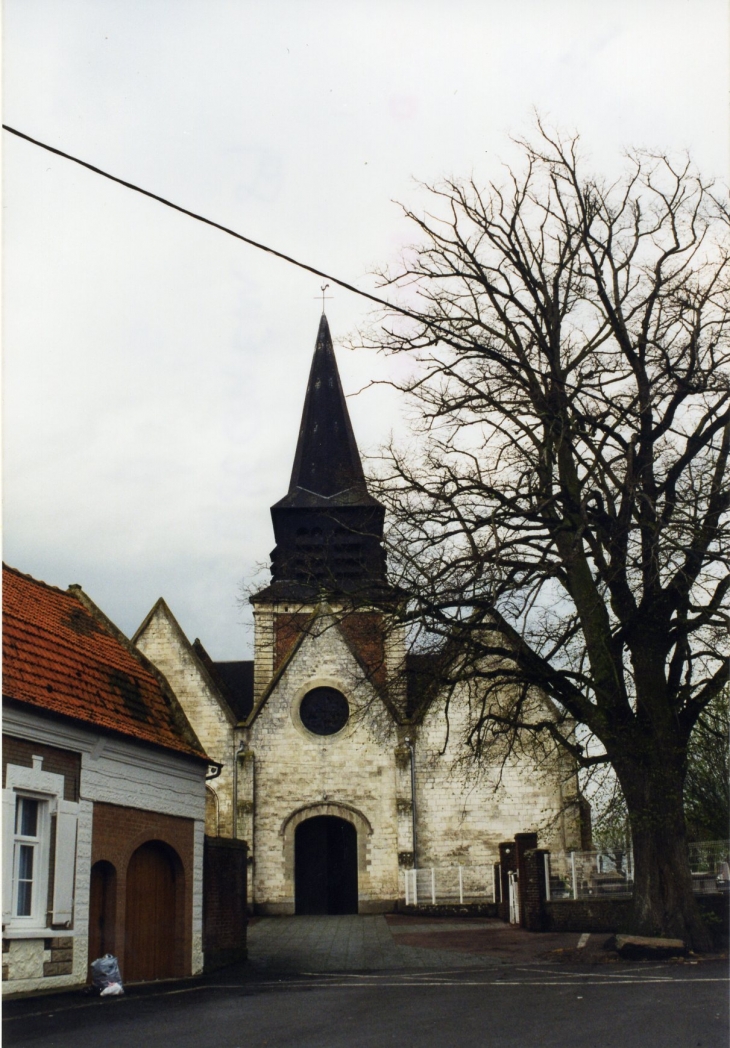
<point x="328" y="530"/>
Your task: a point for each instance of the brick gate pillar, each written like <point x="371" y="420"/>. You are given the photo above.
<point x="507" y="863"/>
<point x="533" y="893"/>
<point x="524" y="842"/>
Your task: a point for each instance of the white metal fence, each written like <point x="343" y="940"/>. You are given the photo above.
<point x="709" y="862"/>
<point x="448" y="885"/>
<point x="580" y="875"/>
<point x="568" y="875"/>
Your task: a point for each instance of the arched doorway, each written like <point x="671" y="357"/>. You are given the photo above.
<point x="325" y="866"/>
<point x="151" y="934"/>
<point x="102" y="909"/>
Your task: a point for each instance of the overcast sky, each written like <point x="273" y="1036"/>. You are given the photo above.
<point x="155" y="369"/>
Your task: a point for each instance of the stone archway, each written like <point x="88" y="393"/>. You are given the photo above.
<point x="359" y="845"/>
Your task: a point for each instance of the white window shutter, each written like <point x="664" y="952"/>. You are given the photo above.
<point x="8" y="843"/>
<point x="67" y="817"/>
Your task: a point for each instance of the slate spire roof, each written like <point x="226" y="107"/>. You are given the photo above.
<point x="327" y="463"/>
<point x="328" y="527"/>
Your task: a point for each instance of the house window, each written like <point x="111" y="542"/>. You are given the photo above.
<point x="33" y="801"/>
<point x="30" y="879"/>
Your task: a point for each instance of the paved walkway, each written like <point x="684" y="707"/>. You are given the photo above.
<point x="392" y="942"/>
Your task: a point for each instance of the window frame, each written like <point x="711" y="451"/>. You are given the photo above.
<point x="48" y="914"/>
<point x="41" y="844"/>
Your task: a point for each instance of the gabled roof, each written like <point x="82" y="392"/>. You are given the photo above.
<point x="196" y="651"/>
<point x="63" y="656"/>
<point x="234" y="680"/>
<point x="282" y="668"/>
<point x="423" y="681"/>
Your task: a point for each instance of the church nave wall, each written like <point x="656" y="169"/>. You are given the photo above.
<point x="162" y="642"/>
<point x="465" y="811"/>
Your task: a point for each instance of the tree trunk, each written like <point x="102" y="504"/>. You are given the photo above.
<point x="664" y="903"/>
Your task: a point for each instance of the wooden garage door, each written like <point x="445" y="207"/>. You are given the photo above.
<point x="150" y="939"/>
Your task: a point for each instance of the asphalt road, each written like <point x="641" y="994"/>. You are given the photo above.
<point x="549" y="1006"/>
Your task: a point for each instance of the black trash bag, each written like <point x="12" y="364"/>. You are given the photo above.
<point x="106" y="977"/>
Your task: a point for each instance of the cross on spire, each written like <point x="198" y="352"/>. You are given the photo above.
<point x="323" y="289"/>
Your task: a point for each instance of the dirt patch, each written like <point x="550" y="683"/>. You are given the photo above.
<point x="502" y="941"/>
<point x="405" y="920"/>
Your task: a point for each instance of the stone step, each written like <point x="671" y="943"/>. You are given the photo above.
<point x="648" y="946"/>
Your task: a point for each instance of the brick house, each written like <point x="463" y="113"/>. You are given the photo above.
<point x="103" y="799"/>
<point x="340" y="769"/>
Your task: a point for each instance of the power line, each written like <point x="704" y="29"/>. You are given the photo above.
<point x="210" y="222"/>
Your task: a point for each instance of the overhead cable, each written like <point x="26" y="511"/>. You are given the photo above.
<point x="210" y="222"/>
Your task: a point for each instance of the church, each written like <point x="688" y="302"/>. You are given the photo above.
<point x="339" y="767"/>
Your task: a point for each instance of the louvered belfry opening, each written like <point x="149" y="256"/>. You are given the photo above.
<point x="328" y="528"/>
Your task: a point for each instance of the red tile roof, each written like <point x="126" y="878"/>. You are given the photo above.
<point x="62" y="655"/>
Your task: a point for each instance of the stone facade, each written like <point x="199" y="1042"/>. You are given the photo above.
<point x="464" y="812"/>
<point x="294" y="774"/>
<point x="361" y="774"/>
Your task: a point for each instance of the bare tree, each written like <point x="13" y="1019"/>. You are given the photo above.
<point x="562" y="523"/>
<point x="707" y="786"/>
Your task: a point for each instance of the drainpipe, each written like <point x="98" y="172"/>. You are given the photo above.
<point x="251" y="844"/>
<point x="236" y="754"/>
<point x="409" y="744"/>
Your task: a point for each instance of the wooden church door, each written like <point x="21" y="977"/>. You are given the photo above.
<point x="325" y="866"/>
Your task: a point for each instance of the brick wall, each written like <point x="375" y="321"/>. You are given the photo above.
<point x="533" y="890"/>
<point x="715" y="911"/>
<point x="584" y="915"/>
<point x="364" y="632"/>
<point x="117" y="833"/>
<point x="224" y="901"/>
<point x="287" y="629"/>
<point x="524" y="842"/>
<point x="614" y="915"/>
<point x="55" y="761"/>
<point x="588" y="915"/>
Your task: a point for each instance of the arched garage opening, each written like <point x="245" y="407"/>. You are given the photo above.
<point x="154" y="914"/>
<point x="325" y="866"/>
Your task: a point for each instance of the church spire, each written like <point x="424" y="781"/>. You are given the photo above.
<point x="327" y="461"/>
<point x="328" y="527"/>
